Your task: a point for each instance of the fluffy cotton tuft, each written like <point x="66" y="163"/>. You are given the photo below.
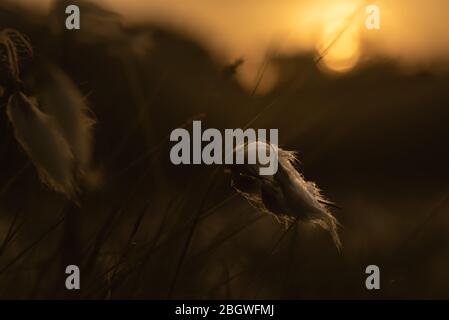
<point x="39" y="136"/>
<point x="60" y="98"/>
<point x="286" y="195"/>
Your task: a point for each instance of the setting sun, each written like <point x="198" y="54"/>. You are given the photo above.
<point x="339" y="42"/>
<point x="344" y="54"/>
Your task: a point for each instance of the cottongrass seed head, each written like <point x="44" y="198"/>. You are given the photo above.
<point x="54" y="127"/>
<point x="15" y="49"/>
<point x="39" y="136"/>
<point x="286" y="195"/>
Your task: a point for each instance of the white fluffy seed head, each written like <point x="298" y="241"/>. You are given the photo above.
<point x="60" y="98"/>
<point x="304" y="198"/>
<point x="42" y="141"/>
<point x="286" y="194"/>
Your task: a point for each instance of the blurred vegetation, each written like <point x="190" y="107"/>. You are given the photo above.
<point x="375" y="140"/>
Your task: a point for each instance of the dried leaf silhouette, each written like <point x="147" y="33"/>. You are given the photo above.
<point x="286" y="195"/>
<point x="60" y="98"/>
<point x="41" y="139"/>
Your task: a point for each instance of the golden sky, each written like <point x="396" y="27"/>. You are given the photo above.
<point x="414" y="32"/>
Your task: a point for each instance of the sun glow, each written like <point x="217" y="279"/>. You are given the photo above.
<point x="345" y="52"/>
<point x="413" y="32"/>
<point x="340" y="39"/>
